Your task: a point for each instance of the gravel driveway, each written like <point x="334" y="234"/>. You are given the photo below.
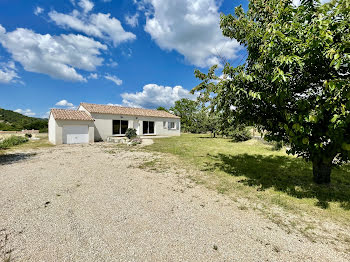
<point x="86" y="203"/>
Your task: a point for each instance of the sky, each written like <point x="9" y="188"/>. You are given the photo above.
<point x="139" y="53"/>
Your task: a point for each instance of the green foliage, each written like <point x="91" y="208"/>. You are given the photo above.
<point x="194" y="117"/>
<point x="161" y="108"/>
<point x="187" y="110"/>
<point x="240" y="134"/>
<point x="12" y="141"/>
<point x="295" y="82"/>
<point x="13" y="121"/>
<point x="197" y="118"/>
<point x="277" y="145"/>
<point x="131" y="133"/>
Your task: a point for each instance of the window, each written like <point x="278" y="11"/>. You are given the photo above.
<point x="171" y="125"/>
<point x="120" y="127"/>
<point x="148" y="127"/>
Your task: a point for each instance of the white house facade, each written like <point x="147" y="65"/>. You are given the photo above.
<point x="93" y="122"/>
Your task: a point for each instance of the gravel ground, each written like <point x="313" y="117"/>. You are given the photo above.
<point x="90" y="203"/>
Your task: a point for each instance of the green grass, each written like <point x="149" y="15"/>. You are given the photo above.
<point x="12" y="141"/>
<point x="253" y="170"/>
<point x="30" y="144"/>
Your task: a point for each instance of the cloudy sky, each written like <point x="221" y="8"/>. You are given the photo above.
<point x="138" y="53"/>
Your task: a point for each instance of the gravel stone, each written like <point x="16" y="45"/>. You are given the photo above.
<point x="84" y="203"/>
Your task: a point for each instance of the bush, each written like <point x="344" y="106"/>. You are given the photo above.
<point x="12" y="141"/>
<point x="28" y="135"/>
<point x="277" y="146"/>
<point x="240" y="134"/>
<point x="131" y="133"/>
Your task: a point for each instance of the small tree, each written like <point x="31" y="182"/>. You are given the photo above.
<point x="295" y="82"/>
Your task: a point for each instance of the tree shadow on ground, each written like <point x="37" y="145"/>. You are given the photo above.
<point x="8" y="159"/>
<point x="286" y="174"/>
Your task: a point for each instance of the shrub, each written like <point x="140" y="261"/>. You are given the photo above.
<point x="277" y="146"/>
<point x="28" y="135"/>
<point x="12" y="141"/>
<point x="240" y="134"/>
<point x="131" y="133"/>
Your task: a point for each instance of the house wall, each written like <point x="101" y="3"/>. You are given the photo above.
<point x="52" y="129"/>
<point x="57" y="134"/>
<point x="104" y="125"/>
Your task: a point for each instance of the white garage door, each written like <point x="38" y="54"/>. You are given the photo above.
<point x="75" y="134"/>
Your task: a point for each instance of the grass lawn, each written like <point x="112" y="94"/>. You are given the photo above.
<point x="252" y="171"/>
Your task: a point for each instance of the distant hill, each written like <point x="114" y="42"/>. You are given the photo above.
<point x="13" y="121"/>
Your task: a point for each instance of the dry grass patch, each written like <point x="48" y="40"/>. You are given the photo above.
<point x="257" y="177"/>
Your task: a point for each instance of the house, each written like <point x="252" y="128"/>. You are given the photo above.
<point x="93" y="122"/>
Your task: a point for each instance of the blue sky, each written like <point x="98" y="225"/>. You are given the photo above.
<point x="135" y="53"/>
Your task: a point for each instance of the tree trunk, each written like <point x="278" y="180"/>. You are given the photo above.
<point x="321" y="172"/>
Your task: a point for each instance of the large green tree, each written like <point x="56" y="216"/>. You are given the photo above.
<point x="295" y="82"/>
<point x="188" y="110"/>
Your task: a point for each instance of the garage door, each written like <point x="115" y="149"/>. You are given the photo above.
<point x="75" y="134"/>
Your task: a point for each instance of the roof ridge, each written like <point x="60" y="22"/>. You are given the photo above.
<point x="123" y="110"/>
<point x="65" y="109"/>
<point x="120" y="106"/>
<point x="70" y="114"/>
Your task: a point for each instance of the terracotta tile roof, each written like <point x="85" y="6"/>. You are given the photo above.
<point x="65" y="114"/>
<point x="120" y="110"/>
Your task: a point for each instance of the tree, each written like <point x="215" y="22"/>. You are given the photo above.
<point x="295" y="81"/>
<point x="161" y="108"/>
<point x="211" y="121"/>
<point x="187" y="110"/>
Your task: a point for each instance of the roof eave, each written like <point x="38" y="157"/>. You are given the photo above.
<point x="92" y="112"/>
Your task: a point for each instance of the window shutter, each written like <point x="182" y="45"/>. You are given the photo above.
<point x="177" y="125"/>
<point x="169" y="125"/>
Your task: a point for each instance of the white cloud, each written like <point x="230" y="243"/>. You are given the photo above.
<point x="298" y="2"/>
<point x="86" y="5"/>
<point x="112" y="63"/>
<point x="38" y="10"/>
<point x="56" y="56"/>
<point x="114" y="79"/>
<point x="132" y="20"/>
<point x="26" y="112"/>
<point x="111" y="104"/>
<point x="93" y="76"/>
<point x="98" y="25"/>
<point x="64" y="103"/>
<point x="153" y="96"/>
<point x="45" y="115"/>
<point x="8" y="73"/>
<point x="191" y="27"/>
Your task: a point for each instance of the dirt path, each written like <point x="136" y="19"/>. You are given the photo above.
<point x="92" y="203"/>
